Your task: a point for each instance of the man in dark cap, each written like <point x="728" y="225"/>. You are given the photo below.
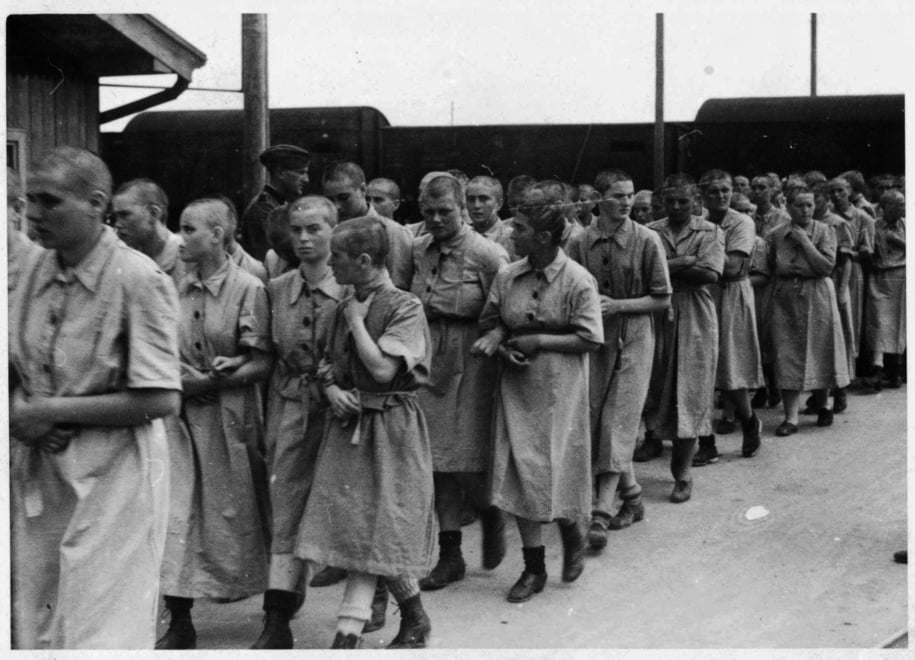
<point x="287" y="172"/>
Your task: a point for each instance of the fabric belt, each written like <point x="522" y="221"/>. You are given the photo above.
<point x="375" y="402"/>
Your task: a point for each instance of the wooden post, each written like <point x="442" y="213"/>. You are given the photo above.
<point x="257" y="113"/>
<point x="813" y="54"/>
<point x="659" y="101"/>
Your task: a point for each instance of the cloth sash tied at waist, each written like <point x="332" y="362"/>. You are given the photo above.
<point x="374" y="402"/>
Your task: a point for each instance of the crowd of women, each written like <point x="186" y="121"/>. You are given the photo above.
<point x="378" y="381"/>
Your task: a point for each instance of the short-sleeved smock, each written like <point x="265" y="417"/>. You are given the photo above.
<point x="541" y="468"/>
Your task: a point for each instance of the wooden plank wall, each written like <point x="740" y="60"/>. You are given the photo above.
<point x="54" y="110"/>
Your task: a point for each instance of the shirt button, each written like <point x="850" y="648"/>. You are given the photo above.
<point x="197" y="345"/>
<point x="46" y="368"/>
<point x="428" y="289"/>
<point x="435" y="271"/>
<point x="304" y="346"/>
<point x="606" y="261"/>
<point x="306" y="321"/>
<point x="196" y="315"/>
<point x="535" y="295"/>
<point x="606" y="285"/>
<point x="53" y="319"/>
<point x="530" y="316"/>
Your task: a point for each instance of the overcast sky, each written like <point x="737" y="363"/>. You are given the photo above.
<point x="528" y="61"/>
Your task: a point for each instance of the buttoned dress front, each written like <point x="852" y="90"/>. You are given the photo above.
<point x="844" y="245"/>
<point x="218" y="523"/>
<point x="739" y="363"/>
<point x="686" y="361"/>
<point x="762" y="298"/>
<point x="453" y="280"/>
<point x="861" y="227"/>
<point x="886" y="289"/>
<point x="370" y="508"/>
<point x="296" y="405"/>
<point x="88" y="523"/>
<point x="629" y="263"/>
<point x="541" y="468"/>
<point x="806" y="329"/>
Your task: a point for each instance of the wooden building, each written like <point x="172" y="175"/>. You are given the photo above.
<point x="53" y="66"/>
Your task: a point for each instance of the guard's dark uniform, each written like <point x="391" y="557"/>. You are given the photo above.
<point x="254" y="221"/>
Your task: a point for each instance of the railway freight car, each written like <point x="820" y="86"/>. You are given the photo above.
<point x="195" y="152"/>
<point x="192" y="152"/>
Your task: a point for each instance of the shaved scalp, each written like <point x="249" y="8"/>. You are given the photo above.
<point x="678" y="180"/>
<point x="365" y="235"/>
<point x="344" y="170"/>
<point x="606" y="178"/>
<point x="85" y="171"/>
<point x="442" y="186"/>
<point x="428" y="176"/>
<point x="714" y="175"/>
<point x="217" y="211"/>
<point x="310" y="202"/>
<point x="494" y="185"/>
<point x="147" y="191"/>
<point x="387" y="186"/>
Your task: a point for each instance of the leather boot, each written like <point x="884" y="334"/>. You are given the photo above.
<point x="631" y="510"/>
<point x="379" y="607"/>
<point x="680" y="461"/>
<point x="450" y="567"/>
<point x="493" y="523"/>
<point x="573" y="550"/>
<point x="181" y="634"/>
<point x="279" y="606"/>
<point x="415" y="626"/>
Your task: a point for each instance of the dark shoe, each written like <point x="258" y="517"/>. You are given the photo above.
<point x="775" y="398"/>
<point x="597" y="532"/>
<point x="901" y="556"/>
<point x="276" y="633"/>
<point x="630" y="511"/>
<point x="894" y="382"/>
<point x="650" y="448"/>
<point x="752" y="428"/>
<point x="330" y="575"/>
<point x="682" y="491"/>
<point x="351" y="641"/>
<point x="526" y="586"/>
<point x="759" y="399"/>
<point x="573" y="551"/>
<point x="379" y="607"/>
<point x="279" y="606"/>
<point x="415" y="626"/>
<point x="493" y="523"/>
<point x="707" y="453"/>
<point x="447" y="570"/>
<point x="839" y="401"/>
<point x="786" y="428"/>
<point x="825" y="417"/>
<point x="726" y="426"/>
<point x="180" y="636"/>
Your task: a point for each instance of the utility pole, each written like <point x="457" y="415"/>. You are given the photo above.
<point x="254" y="88"/>
<point x="659" y="101"/>
<point x="813" y="54"/>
